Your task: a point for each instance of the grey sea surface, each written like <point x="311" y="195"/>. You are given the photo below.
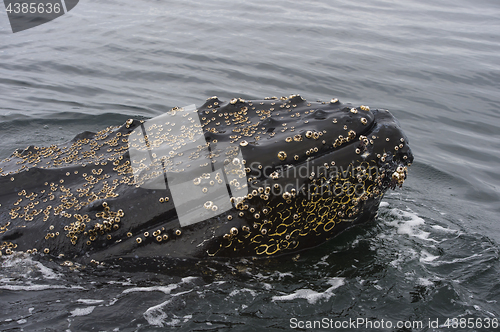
<point x="432" y="253"/>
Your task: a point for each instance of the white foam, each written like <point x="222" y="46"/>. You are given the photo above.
<point x="267" y="286"/>
<point x="89" y="301"/>
<point x="36" y="287"/>
<point x="260" y="276"/>
<point x="221" y="282"/>
<point x="25" y="265"/>
<point x="336" y="282"/>
<point x="425" y="282"/>
<point x="46" y="272"/>
<point x="238" y="291"/>
<point x="283" y="275"/>
<point x="383" y="204"/>
<point x="310" y="295"/>
<point x="443" y="229"/>
<point x="408" y="223"/>
<point x="276" y="274"/>
<point x="322" y="261"/>
<point x="456" y="260"/>
<point x="123" y="283"/>
<point x="82" y="311"/>
<point x="427" y="257"/>
<point x="188" y="279"/>
<point x="407" y="254"/>
<point x="164" y="289"/>
<point x="157" y="317"/>
<point x="112" y="302"/>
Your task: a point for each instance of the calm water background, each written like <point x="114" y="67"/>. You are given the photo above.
<point x="432" y="253"/>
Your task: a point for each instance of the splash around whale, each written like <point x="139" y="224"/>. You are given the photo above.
<point x="227" y="179"/>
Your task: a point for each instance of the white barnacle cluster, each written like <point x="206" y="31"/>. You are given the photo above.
<point x="342" y="140"/>
<point x="208" y="180"/>
<point x="209" y="205"/>
<point x="399" y="175"/>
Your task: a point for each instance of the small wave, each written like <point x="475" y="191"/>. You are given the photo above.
<point x="427" y="257"/>
<point x="408" y="222"/>
<point x="163" y="289"/>
<point x="239" y="291"/>
<point x="310" y="295"/>
<point x="24" y="266"/>
<point x="89" y="301"/>
<point x="82" y="311"/>
<point x="157" y="315"/>
<point x="37" y="287"/>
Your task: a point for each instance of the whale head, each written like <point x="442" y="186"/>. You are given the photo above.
<point x="227" y="179"/>
<point x="272" y="176"/>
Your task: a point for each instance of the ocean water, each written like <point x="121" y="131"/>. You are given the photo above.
<point x="432" y="253"/>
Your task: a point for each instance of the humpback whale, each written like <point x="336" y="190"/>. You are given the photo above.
<point x="230" y="178"/>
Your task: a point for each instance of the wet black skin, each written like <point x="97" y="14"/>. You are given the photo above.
<point x="313" y="214"/>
